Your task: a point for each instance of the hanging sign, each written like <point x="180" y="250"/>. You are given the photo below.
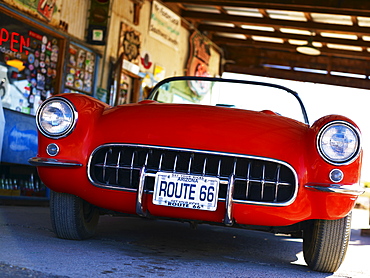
<point x="46" y="8"/>
<point x="165" y="25"/>
<point x="199" y="55"/>
<point x="42" y="9"/>
<point x="130" y="44"/>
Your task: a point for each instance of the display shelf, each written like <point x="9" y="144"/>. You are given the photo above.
<point x="20" y="183"/>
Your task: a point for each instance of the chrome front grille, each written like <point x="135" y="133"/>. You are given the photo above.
<point x="254" y="179"/>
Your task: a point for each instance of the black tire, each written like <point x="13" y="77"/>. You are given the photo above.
<point x="72" y="217"/>
<point x="325" y="243"/>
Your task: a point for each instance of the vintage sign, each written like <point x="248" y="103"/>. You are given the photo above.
<point x="165" y="25"/>
<point x="198" y="62"/>
<point x="200" y="53"/>
<point x="130" y="43"/>
<point x="44" y="9"/>
<point x="80" y="70"/>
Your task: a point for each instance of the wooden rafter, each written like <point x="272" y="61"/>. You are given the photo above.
<point x="245" y="53"/>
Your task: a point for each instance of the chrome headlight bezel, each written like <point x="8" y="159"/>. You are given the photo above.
<point x="66" y="120"/>
<point x="328" y="152"/>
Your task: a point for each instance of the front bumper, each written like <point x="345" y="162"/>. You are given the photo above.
<point x="230" y="210"/>
<point x="52" y="162"/>
<point x="350" y="189"/>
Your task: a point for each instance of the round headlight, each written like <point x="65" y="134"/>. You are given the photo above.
<point x="56" y="117"/>
<point x="339" y="142"/>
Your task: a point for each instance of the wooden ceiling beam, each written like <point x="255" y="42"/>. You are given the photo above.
<point x="277" y="23"/>
<point x="253" y="57"/>
<point x="278" y="34"/>
<point x="300" y="76"/>
<point x="356" y="8"/>
<point x="223" y="41"/>
<point x="260" y="57"/>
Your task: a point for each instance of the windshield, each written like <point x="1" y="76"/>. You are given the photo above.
<point x="248" y="95"/>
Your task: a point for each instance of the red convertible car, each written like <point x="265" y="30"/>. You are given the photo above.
<point x="203" y="150"/>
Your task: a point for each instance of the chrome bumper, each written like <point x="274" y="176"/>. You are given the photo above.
<point x="354" y="189"/>
<point x="52" y="162"/>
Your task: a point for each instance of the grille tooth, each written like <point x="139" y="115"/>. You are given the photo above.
<point x="117" y="167"/>
<point x="190" y="162"/>
<point x="204" y="166"/>
<point x="219" y="168"/>
<point x="263" y="181"/>
<point x="175" y="164"/>
<point x="277" y="183"/>
<point x="160" y="162"/>
<point x="248" y="180"/>
<point x="256" y="180"/>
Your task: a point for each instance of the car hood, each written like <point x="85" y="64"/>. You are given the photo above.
<point x="204" y="128"/>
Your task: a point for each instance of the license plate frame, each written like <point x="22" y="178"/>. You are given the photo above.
<point x="186" y="191"/>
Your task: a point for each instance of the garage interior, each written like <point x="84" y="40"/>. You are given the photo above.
<point x="324" y="42"/>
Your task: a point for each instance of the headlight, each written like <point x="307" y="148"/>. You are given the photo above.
<point x="56" y="117"/>
<point x="339" y="142"/>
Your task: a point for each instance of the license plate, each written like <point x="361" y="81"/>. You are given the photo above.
<point x="186" y="191"/>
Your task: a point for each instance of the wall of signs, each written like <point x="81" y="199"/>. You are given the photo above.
<point x="30" y="64"/>
<point x="80" y="70"/>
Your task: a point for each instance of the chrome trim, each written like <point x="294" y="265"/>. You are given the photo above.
<point x="229" y="199"/>
<point x="355" y="154"/>
<point x="66" y="132"/>
<point x="140" y="191"/>
<point x="52" y="162"/>
<point x="228" y="221"/>
<point x="354" y="189"/>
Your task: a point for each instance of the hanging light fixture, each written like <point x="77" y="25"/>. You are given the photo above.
<point x="308" y="49"/>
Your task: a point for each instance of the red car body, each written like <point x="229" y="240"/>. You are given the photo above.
<point x="203" y="130"/>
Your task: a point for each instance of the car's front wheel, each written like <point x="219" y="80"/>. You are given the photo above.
<point x="72" y="217"/>
<point x="325" y="243"/>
